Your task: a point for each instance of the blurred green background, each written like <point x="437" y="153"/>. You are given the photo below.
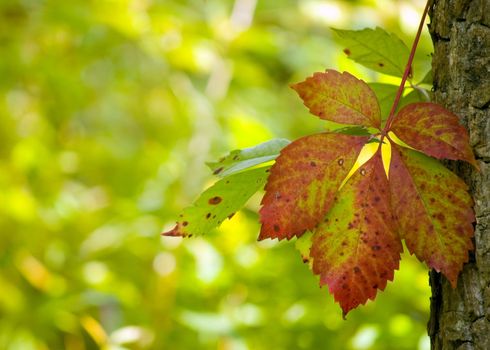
<point x="108" y="111"/>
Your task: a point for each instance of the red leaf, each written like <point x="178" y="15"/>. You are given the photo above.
<point x="340" y="97"/>
<point x="356" y="250"/>
<point x="433" y="211"/>
<point x="432" y="129"/>
<point x="303" y="182"/>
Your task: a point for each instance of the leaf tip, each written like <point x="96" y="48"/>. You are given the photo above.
<point x="176" y="231"/>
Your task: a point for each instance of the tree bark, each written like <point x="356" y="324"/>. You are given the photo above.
<point x="460" y="30"/>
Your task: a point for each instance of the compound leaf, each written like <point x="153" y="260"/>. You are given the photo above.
<point x="239" y="160"/>
<point x="219" y="202"/>
<point x="433" y="211"/>
<point x="432" y="129"/>
<point x="356" y="250"/>
<point x="303" y="181"/>
<point x="340" y="97"/>
<point x="375" y="49"/>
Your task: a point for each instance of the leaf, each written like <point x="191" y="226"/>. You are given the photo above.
<point x="340" y="97"/>
<point x="427" y="78"/>
<point x="375" y="49"/>
<point x="356" y="250"/>
<point x="239" y="160"/>
<point x="219" y="202"/>
<point x="386" y="94"/>
<point x="430" y="128"/>
<point x="433" y="211"/>
<point x="303" y="181"/>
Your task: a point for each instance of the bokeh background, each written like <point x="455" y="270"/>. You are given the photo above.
<point x="108" y="111"/>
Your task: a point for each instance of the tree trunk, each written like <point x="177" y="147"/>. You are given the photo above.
<point x="460" y="30"/>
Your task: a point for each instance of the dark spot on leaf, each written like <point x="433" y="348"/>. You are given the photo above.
<point x="181" y="215"/>
<point x="222" y="159"/>
<point x="341" y="253"/>
<point x="357" y="269"/>
<point x="340" y="161"/>
<point x="277" y="228"/>
<point x="376" y="247"/>
<point x="217" y="171"/>
<point x="231" y="215"/>
<point x="190" y="236"/>
<point x="350" y="226"/>
<point x="345" y="286"/>
<point x="306" y="260"/>
<point x="381" y="64"/>
<point x="432" y="200"/>
<point x="363" y="172"/>
<point x="227" y="181"/>
<point x="347" y="51"/>
<point x="185" y="223"/>
<point x="383" y="274"/>
<point x="214" y="216"/>
<point x="344" y="243"/>
<point x="377" y="199"/>
<point x="208" y="215"/>
<point x="313" y="164"/>
<point x="215" y="200"/>
<point x="268" y="171"/>
<point x="438" y="132"/>
<point x="235" y="157"/>
<point x="375" y="286"/>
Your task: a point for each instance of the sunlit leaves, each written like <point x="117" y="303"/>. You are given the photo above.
<point x="239" y="160"/>
<point x="375" y="49"/>
<point x="433" y="210"/>
<point x="432" y="129"/>
<point x="219" y="202"/>
<point x="304" y="180"/>
<point x="340" y="97"/>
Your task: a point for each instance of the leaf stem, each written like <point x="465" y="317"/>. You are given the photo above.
<point x="408" y="69"/>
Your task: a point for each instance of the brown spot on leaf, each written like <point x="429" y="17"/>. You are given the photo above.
<point x="381" y="64"/>
<point x="231" y="215"/>
<point x="313" y="164"/>
<point x="215" y="200"/>
<point x="185" y="223"/>
<point x="340" y="161"/>
<point x="208" y="215"/>
<point x="363" y="172"/>
<point x="376" y="247"/>
<point x="277" y="228"/>
<point x="375" y="286"/>
<point x="306" y="260"/>
<point x="357" y="269"/>
<point x="347" y="51"/>
<point x="235" y="157"/>
<point x="217" y="171"/>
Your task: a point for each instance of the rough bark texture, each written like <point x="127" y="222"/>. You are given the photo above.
<point x="460" y="29"/>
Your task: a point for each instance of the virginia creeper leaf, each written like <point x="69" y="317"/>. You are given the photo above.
<point x="375" y="49"/>
<point x="356" y="250"/>
<point x="239" y="160"/>
<point x="433" y="211"/>
<point x="219" y="202"/>
<point x="432" y="129"/>
<point x="386" y="95"/>
<point x="303" y="181"/>
<point x="340" y="97"/>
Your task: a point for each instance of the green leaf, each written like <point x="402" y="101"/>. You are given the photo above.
<point x="433" y="211"/>
<point x="219" y="202"/>
<point x="375" y="49"/>
<point x="239" y="160"/>
<point x="340" y="97"/>
<point x="386" y="94"/>
<point x="427" y="79"/>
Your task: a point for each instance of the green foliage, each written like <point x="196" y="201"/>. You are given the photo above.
<point x="239" y="160"/>
<point x="376" y="49"/>
<point x="108" y="111"/>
